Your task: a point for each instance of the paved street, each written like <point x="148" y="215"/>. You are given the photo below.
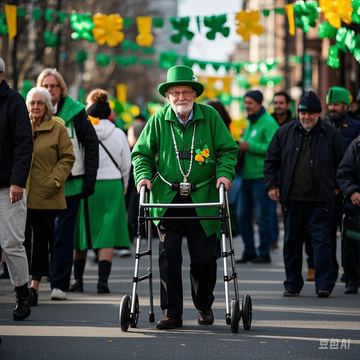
<point x="87" y="325"/>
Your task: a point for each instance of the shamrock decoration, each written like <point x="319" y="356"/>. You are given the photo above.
<point x="203" y="153"/>
<point x="333" y="58"/>
<point x="216" y="24"/>
<point x="326" y="31"/>
<point x="356" y="11"/>
<point x="168" y="59"/>
<point x="107" y="29"/>
<point x="82" y="25"/>
<point x="50" y="39"/>
<point x="336" y="11"/>
<point x="345" y="39"/>
<point x="181" y="26"/>
<point x="247" y="23"/>
<point x="305" y="15"/>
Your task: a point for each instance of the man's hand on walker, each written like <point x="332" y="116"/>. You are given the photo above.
<point x="142" y="182"/>
<point x="223" y="180"/>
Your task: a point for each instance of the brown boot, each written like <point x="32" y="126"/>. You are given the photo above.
<point x="310" y="275"/>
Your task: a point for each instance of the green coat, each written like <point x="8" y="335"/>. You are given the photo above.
<point x="258" y="135"/>
<point x="155" y="147"/>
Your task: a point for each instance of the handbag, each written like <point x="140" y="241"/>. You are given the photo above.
<point x="352" y="226"/>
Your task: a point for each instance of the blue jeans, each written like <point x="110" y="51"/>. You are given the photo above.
<point x="253" y="196"/>
<point x="317" y="219"/>
<point x="62" y="259"/>
<point x="234" y="196"/>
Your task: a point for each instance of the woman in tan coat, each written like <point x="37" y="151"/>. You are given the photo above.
<point x="52" y="162"/>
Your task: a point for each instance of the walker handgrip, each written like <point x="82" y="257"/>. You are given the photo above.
<point x="183" y="205"/>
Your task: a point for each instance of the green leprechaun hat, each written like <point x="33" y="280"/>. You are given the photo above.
<point x="181" y="75"/>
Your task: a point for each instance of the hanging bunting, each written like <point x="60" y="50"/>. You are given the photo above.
<point x="181" y="25"/>
<point x="168" y="59"/>
<point x="121" y="90"/>
<point x="3" y="26"/>
<point x="216" y="24"/>
<point x="247" y="23"/>
<point x="144" y="27"/>
<point x="158" y="23"/>
<point x="107" y="29"/>
<point x="49" y="15"/>
<point x="81" y="57"/>
<point x="289" y="9"/>
<point x="11" y="20"/>
<point x="336" y="11"/>
<point x="36" y="14"/>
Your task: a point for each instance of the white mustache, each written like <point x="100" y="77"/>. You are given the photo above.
<point x="182" y="103"/>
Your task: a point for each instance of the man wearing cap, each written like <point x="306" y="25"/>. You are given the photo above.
<point x="16" y="146"/>
<point x="307" y="153"/>
<point x="338" y="100"/>
<point x="194" y="153"/>
<point x="253" y="196"/>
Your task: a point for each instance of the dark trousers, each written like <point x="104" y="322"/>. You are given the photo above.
<point x="40" y="225"/>
<point x="64" y="244"/>
<point x="203" y="257"/>
<point x="336" y="223"/>
<point x="351" y="253"/>
<point x="317" y="219"/>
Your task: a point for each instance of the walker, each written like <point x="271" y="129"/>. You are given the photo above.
<point x="129" y="305"/>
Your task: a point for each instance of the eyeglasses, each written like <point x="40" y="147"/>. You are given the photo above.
<point x="51" y="86"/>
<point x="176" y="94"/>
<point x="38" y="103"/>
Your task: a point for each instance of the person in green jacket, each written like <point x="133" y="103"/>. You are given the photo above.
<point x="193" y="153"/>
<point x="253" y="196"/>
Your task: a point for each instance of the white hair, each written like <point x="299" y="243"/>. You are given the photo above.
<point x="46" y="97"/>
<point x="2" y="66"/>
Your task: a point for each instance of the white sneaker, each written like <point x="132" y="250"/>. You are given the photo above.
<point x="58" y="294"/>
<point x="124" y="252"/>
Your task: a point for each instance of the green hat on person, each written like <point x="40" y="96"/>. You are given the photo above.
<point x="181" y="75"/>
<point x="338" y="94"/>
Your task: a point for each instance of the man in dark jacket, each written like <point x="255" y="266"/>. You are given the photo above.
<point x="307" y="153"/>
<point x="81" y="181"/>
<point x="338" y="100"/>
<point x="16" y="147"/>
<point x="348" y="178"/>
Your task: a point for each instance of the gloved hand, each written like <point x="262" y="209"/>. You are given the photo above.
<point x="86" y="192"/>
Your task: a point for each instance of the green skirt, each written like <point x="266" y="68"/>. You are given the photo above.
<point x="107" y="218"/>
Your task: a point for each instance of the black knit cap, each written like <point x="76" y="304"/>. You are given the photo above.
<point x="310" y="103"/>
<point x="256" y="95"/>
<point x="98" y="110"/>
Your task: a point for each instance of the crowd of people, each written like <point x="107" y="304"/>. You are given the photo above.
<point x="69" y="182"/>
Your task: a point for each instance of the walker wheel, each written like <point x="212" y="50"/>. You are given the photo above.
<point x="246" y="312"/>
<point x="124" y="313"/>
<point x="134" y="321"/>
<point x="235" y="316"/>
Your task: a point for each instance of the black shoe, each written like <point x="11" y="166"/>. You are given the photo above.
<point x="290" y="293"/>
<point x="245" y="259"/>
<point x="77" y="286"/>
<point x="323" y="294"/>
<point x="351" y="289"/>
<point x="102" y="288"/>
<point x="274" y="245"/>
<point x="169" y="323"/>
<point x="22" y="306"/>
<point x="262" y="260"/>
<point x="36" y="297"/>
<point x="206" y="317"/>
